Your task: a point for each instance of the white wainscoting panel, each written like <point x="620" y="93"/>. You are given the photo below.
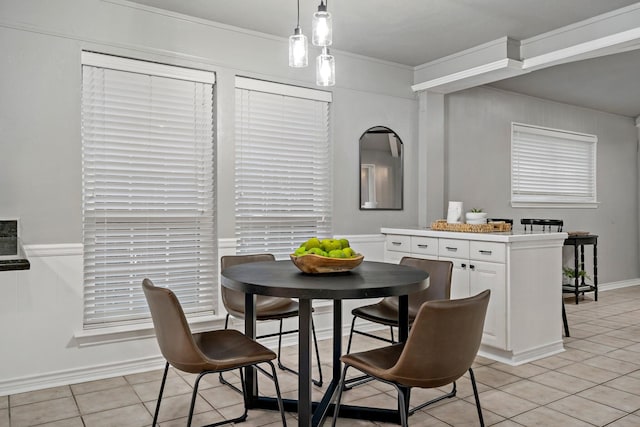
<point x="41" y="323"/>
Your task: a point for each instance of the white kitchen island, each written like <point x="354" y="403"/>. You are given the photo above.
<point x="523" y="271"/>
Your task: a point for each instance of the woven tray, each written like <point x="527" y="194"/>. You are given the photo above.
<point x="443" y="225"/>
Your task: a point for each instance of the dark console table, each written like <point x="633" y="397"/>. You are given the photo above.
<point x="579" y="285"/>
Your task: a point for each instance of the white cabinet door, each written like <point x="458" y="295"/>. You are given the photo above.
<point x="490" y="275"/>
<point x="459" y="277"/>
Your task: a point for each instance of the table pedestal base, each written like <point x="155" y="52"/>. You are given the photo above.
<point x="313" y="413"/>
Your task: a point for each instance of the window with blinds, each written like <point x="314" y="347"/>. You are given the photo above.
<point x="148" y="187"/>
<point x="551" y="167"/>
<point x="283" y="175"/>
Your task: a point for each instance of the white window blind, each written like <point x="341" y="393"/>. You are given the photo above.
<point x="148" y="188"/>
<point x="551" y="167"/>
<point x="283" y="176"/>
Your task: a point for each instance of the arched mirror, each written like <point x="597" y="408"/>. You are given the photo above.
<point x="381" y="176"/>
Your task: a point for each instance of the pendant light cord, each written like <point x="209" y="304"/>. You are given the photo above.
<point x="298" y="14"/>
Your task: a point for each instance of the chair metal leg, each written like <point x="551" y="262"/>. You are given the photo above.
<point x="239" y="419"/>
<point x="404" y="394"/>
<point x="336" y="409"/>
<point x="193" y="398"/>
<point x="353" y="324"/>
<point x="402" y="404"/>
<point x="362" y="379"/>
<point x="564" y="321"/>
<point x="278" y="396"/>
<point x="376" y="337"/>
<point x="245" y="396"/>
<point x="475" y="394"/>
<point x="164" y="380"/>
<point x="280" y="365"/>
<point x="315" y="343"/>
<point x="449" y="395"/>
<point x="317" y="382"/>
<point x="220" y="376"/>
<point x="356" y="381"/>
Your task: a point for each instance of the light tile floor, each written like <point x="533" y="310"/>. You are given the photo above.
<point x="595" y="382"/>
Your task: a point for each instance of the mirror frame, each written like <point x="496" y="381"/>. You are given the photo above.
<point x="387" y="130"/>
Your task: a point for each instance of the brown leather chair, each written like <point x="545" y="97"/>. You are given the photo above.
<point x="201" y="353"/>
<point x="441" y="347"/>
<point x="385" y="312"/>
<point x="267" y="308"/>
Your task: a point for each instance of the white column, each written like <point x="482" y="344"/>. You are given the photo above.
<point x="431" y="151"/>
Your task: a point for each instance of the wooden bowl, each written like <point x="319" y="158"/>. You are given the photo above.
<point x="316" y="264"/>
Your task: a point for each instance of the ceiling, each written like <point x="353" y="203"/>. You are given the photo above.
<point x="414" y="32"/>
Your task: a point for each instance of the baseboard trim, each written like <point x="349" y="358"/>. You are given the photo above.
<point x="515" y="359"/>
<point x="74" y="376"/>
<point x="61" y="249"/>
<point x="618" y="285"/>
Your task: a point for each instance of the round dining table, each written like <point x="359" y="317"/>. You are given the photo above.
<point x="283" y="279"/>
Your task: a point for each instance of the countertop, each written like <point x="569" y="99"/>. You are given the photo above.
<point x="505" y="236"/>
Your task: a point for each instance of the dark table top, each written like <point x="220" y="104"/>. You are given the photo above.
<point x="581" y="239"/>
<point x="283" y="279"/>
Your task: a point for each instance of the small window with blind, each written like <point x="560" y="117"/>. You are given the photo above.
<point x="283" y="166"/>
<point x="148" y="188"/>
<point x="552" y="168"/>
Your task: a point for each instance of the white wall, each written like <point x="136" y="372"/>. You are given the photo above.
<point x="41" y="41"/>
<point x="40" y="311"/>
<point x="478" y="168"/>
<point x="44" y="345"/>
<point x="40" y="162"/>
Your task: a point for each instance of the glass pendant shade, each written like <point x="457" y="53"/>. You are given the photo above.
<point x="322" y="34"/>
<point x="298" y="49"/>
<point x="325" y="69"/>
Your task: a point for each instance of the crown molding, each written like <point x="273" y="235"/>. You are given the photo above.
<point x="607" y="45"/>
<point x="610" y="33"/>
<point x="475" y="76"/>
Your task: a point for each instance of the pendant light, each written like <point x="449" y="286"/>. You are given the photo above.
<point x="298" y="46"/>
<point x="322" y="34"/>
<point x="325" y="69"/>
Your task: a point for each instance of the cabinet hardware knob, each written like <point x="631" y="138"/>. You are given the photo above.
<point x="396" y="243"/>
<point x="484" y="252"/>
<point x="463" y="265"/>
<point x="423" y="246"/>
<point x="449" y="248"/>
<point x="472" y="266"/>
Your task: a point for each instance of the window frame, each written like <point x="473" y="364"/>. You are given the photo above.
<point x="530" y="146"/>
<point x="201" y="215"/>
<point x="284" y="238"/>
